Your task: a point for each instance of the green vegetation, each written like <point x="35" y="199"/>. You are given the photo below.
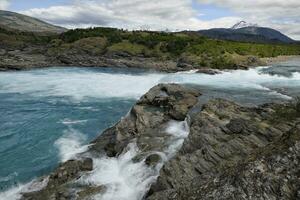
<point x="19" y="39"/>
<point x="190" y="47"/>
<point x="125" y="46"/>
<point x="186" y="46"/>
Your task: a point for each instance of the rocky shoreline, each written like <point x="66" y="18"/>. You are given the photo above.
<point x="279" y="59"/>
<point x="39" y="57"/>
<point x="220" y="151"/>
<point x="20" y="60"/>
<point x="16" y="60"/>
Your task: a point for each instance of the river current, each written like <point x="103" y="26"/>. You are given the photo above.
<point x="48" y="115"/>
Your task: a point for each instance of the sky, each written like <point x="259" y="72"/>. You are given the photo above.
<point x="173" y="15"/>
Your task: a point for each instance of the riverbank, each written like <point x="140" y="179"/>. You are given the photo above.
<point x="34" y="58"/>
<point x="279" y="59"/>
<point x="106" y="47"/>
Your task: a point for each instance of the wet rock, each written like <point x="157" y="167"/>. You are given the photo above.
<point x="57" y="187"/>
<point x="89" y="192"/>
<point x="153" y="159"/>
<point x="147" y="120"/>
<point x="144" y="125"/>
<point x="87" y="164"/>
<point x="208" y="71"/>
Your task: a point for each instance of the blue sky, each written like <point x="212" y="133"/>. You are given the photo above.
<point x="283" y="15"/>
<point x="19" y="5"/>
<point x="210" y="11"/>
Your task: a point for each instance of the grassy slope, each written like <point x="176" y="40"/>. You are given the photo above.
<point x="16" y="21"/>
<point x="187" y="47"/>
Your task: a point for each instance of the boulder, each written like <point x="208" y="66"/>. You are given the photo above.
<point x="153" y="160"/>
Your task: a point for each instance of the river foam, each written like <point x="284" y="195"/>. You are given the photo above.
<point x="15" y="193"/>
<point x="126" y="179"/>
<point x="71" y="144"/>
<point x="80" y="84"/>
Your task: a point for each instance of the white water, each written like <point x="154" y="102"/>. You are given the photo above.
<point x="81" y="84"/>
<point x="125" y="180"/>
<point x="179" y="131"/>
<point x="78" y="84"/>
<point x="128" y="180"/>
<point x="16" y="192"/>
<point x="71" y="144"/>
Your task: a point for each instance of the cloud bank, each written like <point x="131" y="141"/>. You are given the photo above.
<point x="129" y="14"/>
<point x="283" y="15"/>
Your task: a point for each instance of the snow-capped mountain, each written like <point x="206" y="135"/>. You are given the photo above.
<point x="243" y="24"/>
<point x="247" y="32"/>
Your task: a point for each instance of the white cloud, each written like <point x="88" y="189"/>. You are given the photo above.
<point x="4" y="4"/>
<point x="130" y="14"/>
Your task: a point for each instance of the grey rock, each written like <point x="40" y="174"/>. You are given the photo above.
<point x="153" y="160"/>
<point x="226" y="156"/>
<point x="208" y="71"/>
<point x="236" y="125"/>
<point x="2" y="52"/>
<point x="145" y="125"/>
<point x="232" y="151"/>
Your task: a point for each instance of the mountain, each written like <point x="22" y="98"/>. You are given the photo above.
<point x="14" y="21"/>
<point x="245" y="32"/>
<point x="243" y="24"/>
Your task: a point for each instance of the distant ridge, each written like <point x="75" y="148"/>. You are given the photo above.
<point x="14" y="21"/>
<point x="246" y="32"/>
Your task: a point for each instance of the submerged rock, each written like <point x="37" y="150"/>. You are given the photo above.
<point x="208" y="71"/>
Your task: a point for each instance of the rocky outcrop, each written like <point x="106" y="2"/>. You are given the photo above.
<point x="271" y="172"/>
<point x="231" y="152"/>
<point x="145" y="125"/>
<point x="147" y="120"/>
<point x="234" y="152"/>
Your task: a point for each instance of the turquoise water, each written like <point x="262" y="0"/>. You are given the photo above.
<point x="33" y="122"/>
<point x="49" y="115"/>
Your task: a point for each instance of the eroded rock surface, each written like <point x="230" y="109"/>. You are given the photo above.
<point x="147" y="120"/>
<point x="234" y="152"/>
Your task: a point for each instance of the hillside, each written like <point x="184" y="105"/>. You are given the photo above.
<point x="108" y="47"/>
<point x="14" y="21"/>
<point x="243" y="33"/>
